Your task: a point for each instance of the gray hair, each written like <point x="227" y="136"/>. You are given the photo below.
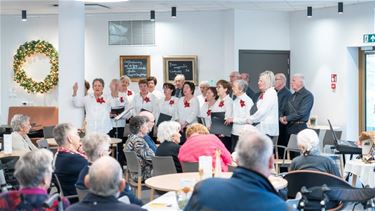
<point x="167" y="129"/>
<point x="179" y="77"/>
<point x="105" y="176"/>
<point x="301" y="77"/>
<point x="125" y="77"/>
<point x="204" y="84"/>
<point x="308" y="141"/>
<point x="282" y="76"/>
<point x="254" y="149"/>
<point x="18" y="120"/>
<point x="236" y="74"/>
<point x="136" y="123"/>
<point x="269" y="78"/>
<point x="61" y="131"/>
<point x="33" y="167"/>
<point x="242" y="85"/>
<point x="94" y="144"/>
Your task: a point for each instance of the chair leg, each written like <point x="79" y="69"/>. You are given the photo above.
<point x="139" y="187"/>
<point x="342" y="165"/>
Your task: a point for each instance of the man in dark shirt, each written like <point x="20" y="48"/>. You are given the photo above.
<point x="179" y="81"/>
<point x="283" y="93"/>
<point x="297" y="110"/>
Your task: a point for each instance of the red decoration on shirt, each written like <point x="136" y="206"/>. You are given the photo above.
<point x="121" y="99"/>
<point x="130" y="92"/>
<point x="171" y="102"/>
<point x="100" y="100"/>
<point x="63" y="149"/>
<point x="221" y="104"/>
<point x="242" y="103"/>
<point x="261" y="96"/>
<point x="146" y="99"/>
<point x="186" y="104"/>
<point x="209" y="112"/>
<point x="205" y="100"/>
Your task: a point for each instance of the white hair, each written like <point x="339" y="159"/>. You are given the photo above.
<point x="204" y="83"/>
<point x="242" y="85"/>
<point x="167" y="129"/>
<point x="94" y="144"/>
<point x="18" y="120"/>
<point x="308" y="141"/>
<point x="253" y="149"/>
<point x="269" y="78"/>
<point x="301" y="77"/>
<point x="180" y="77"/>
<point x="236" y="74"/>
<point x="105" y="176"/>
<point x="282" y="76"/>
<point x="125" y="77"/>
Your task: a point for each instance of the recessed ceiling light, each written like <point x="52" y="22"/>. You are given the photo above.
<point x="102" y="1"/>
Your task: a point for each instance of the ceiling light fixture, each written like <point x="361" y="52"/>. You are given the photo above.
<point x="309" y="11"/>
<point x="174" y="12"/>
<point x="152" y="15"/>
<point x="24" y="15"/>
<point x="340" y="8"/>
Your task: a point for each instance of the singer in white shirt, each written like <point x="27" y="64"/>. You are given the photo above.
<point x="151" y="85"/>
<point x="169" y="104"/>
<point x="208" y="105"/>
<point x="124" y="89"/>
<point x="97" y="107"/>
<point x="266" y="118"/>
<point x="145" y="100"/>
<point x="188" y="106"/>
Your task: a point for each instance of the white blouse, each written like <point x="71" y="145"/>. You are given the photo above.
<point x="119" y="102"/>
<point x="129" y="94"/>
<point x="149" y="103"/>
<point x="97" y="112"/>
<point x="205" y="112"/>
<point x="224" y="105"/>
<point x="241" y="113"/>
<point x="169" y="107"/>
<point x="267" y="114"/>
<point x="188" y="111"/>
<point x="158" y="94"/>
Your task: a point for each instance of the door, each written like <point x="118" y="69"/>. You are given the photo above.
<point x="255" y="62"/>
<point x="370" y="92"/>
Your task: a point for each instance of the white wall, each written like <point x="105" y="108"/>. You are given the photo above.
<point x="322" y="45"/>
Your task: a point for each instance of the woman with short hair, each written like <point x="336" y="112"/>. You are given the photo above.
<point x="124" y="89"/>
<point x="168" y="105"/>
<point x="144" y="100"/>
<point x="21" y="127"/>
<point x="169" y="138"/>
<point x="308" y="143"/>
<point x="266" y="117"/>
<point x="207" y="106"/>
<point x="138" y="129"/>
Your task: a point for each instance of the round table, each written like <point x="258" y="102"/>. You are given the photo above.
<point x="171" y="182"/>
<point x="365" y="172"/>
<point x="13" y="153"/>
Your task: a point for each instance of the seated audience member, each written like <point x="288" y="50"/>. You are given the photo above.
<point x="33" y="171"/>
<point x="169" y="137"/>
<point x="97" y="145"/>
<point x="21" y="127"/>
<point x="105" y="182"/>
<point x="200" y="143"/>
<point x="248" y="188"/>
<point x="308" y="143"/>
<point x="138" y="129"/>
<point x="68" y="161"/>
<point x="150" y="124"/>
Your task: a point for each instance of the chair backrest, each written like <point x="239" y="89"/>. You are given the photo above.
<point x="3" y="182"/>
<point x="308" y="178"/>
<point x="292" y="143"/>
<point x="328" y="137"/>
<point x="48" y="131"/>
<point x="8" y="166"/>
<point x="190" y="166"/>
<point x="42" y="144"/>
<point x="55" y="179"/>
<point x="317" y="131"/>
<point x="163" y="165"/>
<point x="81" y="193"/>
<point x="132" y="163"/>
<point x="275" y="140"/>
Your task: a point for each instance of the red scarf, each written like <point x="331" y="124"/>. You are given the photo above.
<point x="63" y="149"/>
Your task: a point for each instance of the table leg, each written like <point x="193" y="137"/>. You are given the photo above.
<point x="152" y="191"/>
<point x="354" y="180"/>
<point x="342" y="165"/>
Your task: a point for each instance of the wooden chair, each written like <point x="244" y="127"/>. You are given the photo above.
<point x="286" y="160"/>
<point x="133" y="167"/>
<point x="163" y="165"/>
<point x="190" y="166"/>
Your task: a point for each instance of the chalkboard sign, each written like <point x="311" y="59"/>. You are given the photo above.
<point x="135" y="67"/>
<point x="186" y="66"/>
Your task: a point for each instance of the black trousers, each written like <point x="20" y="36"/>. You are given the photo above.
<point x="234" y="140"/>
<point x="283" y="138"/>
<point x="118" y="132"/>
<point x="227" y="141"/>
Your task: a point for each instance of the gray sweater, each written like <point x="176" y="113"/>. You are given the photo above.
<point x="315" y="163"/>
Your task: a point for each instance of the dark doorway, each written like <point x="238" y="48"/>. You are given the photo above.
<point x="255" y="62"/>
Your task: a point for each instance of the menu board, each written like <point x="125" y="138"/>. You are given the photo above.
<point x="186" y="66"/>
<point x="135" y="67"/>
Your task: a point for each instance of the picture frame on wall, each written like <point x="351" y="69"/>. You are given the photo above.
<point x="186" y="65"/>
<point x="136" y="67"/>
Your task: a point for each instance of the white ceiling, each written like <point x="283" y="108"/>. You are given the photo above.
<point x="46" y="6"/>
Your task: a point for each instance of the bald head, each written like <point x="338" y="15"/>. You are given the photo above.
<point x="150" y="117"/>
<point x="105" y="177"/>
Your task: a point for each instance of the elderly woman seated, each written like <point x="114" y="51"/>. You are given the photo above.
<point x="138" y="129"/>
<point x="200" y="143"/>
<point x="34" y="173"/>
<point x="169" y="137"/>
<point x="308" y="143"/>
<point x="68" y="160"/>
<point x="21" y="127"/>
<point x="96" y="145"/>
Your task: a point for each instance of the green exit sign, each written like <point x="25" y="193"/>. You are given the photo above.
<point x="368" y="38"/>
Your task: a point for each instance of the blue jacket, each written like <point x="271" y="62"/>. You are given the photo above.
<point x="245" y="190"/>
<point x="150" y="143"/>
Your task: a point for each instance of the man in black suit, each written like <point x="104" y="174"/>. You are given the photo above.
<point x="105" y="182"/>
<point x="283" y="93"/>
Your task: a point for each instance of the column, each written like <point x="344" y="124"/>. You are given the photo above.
<point x="71" y="59"/>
